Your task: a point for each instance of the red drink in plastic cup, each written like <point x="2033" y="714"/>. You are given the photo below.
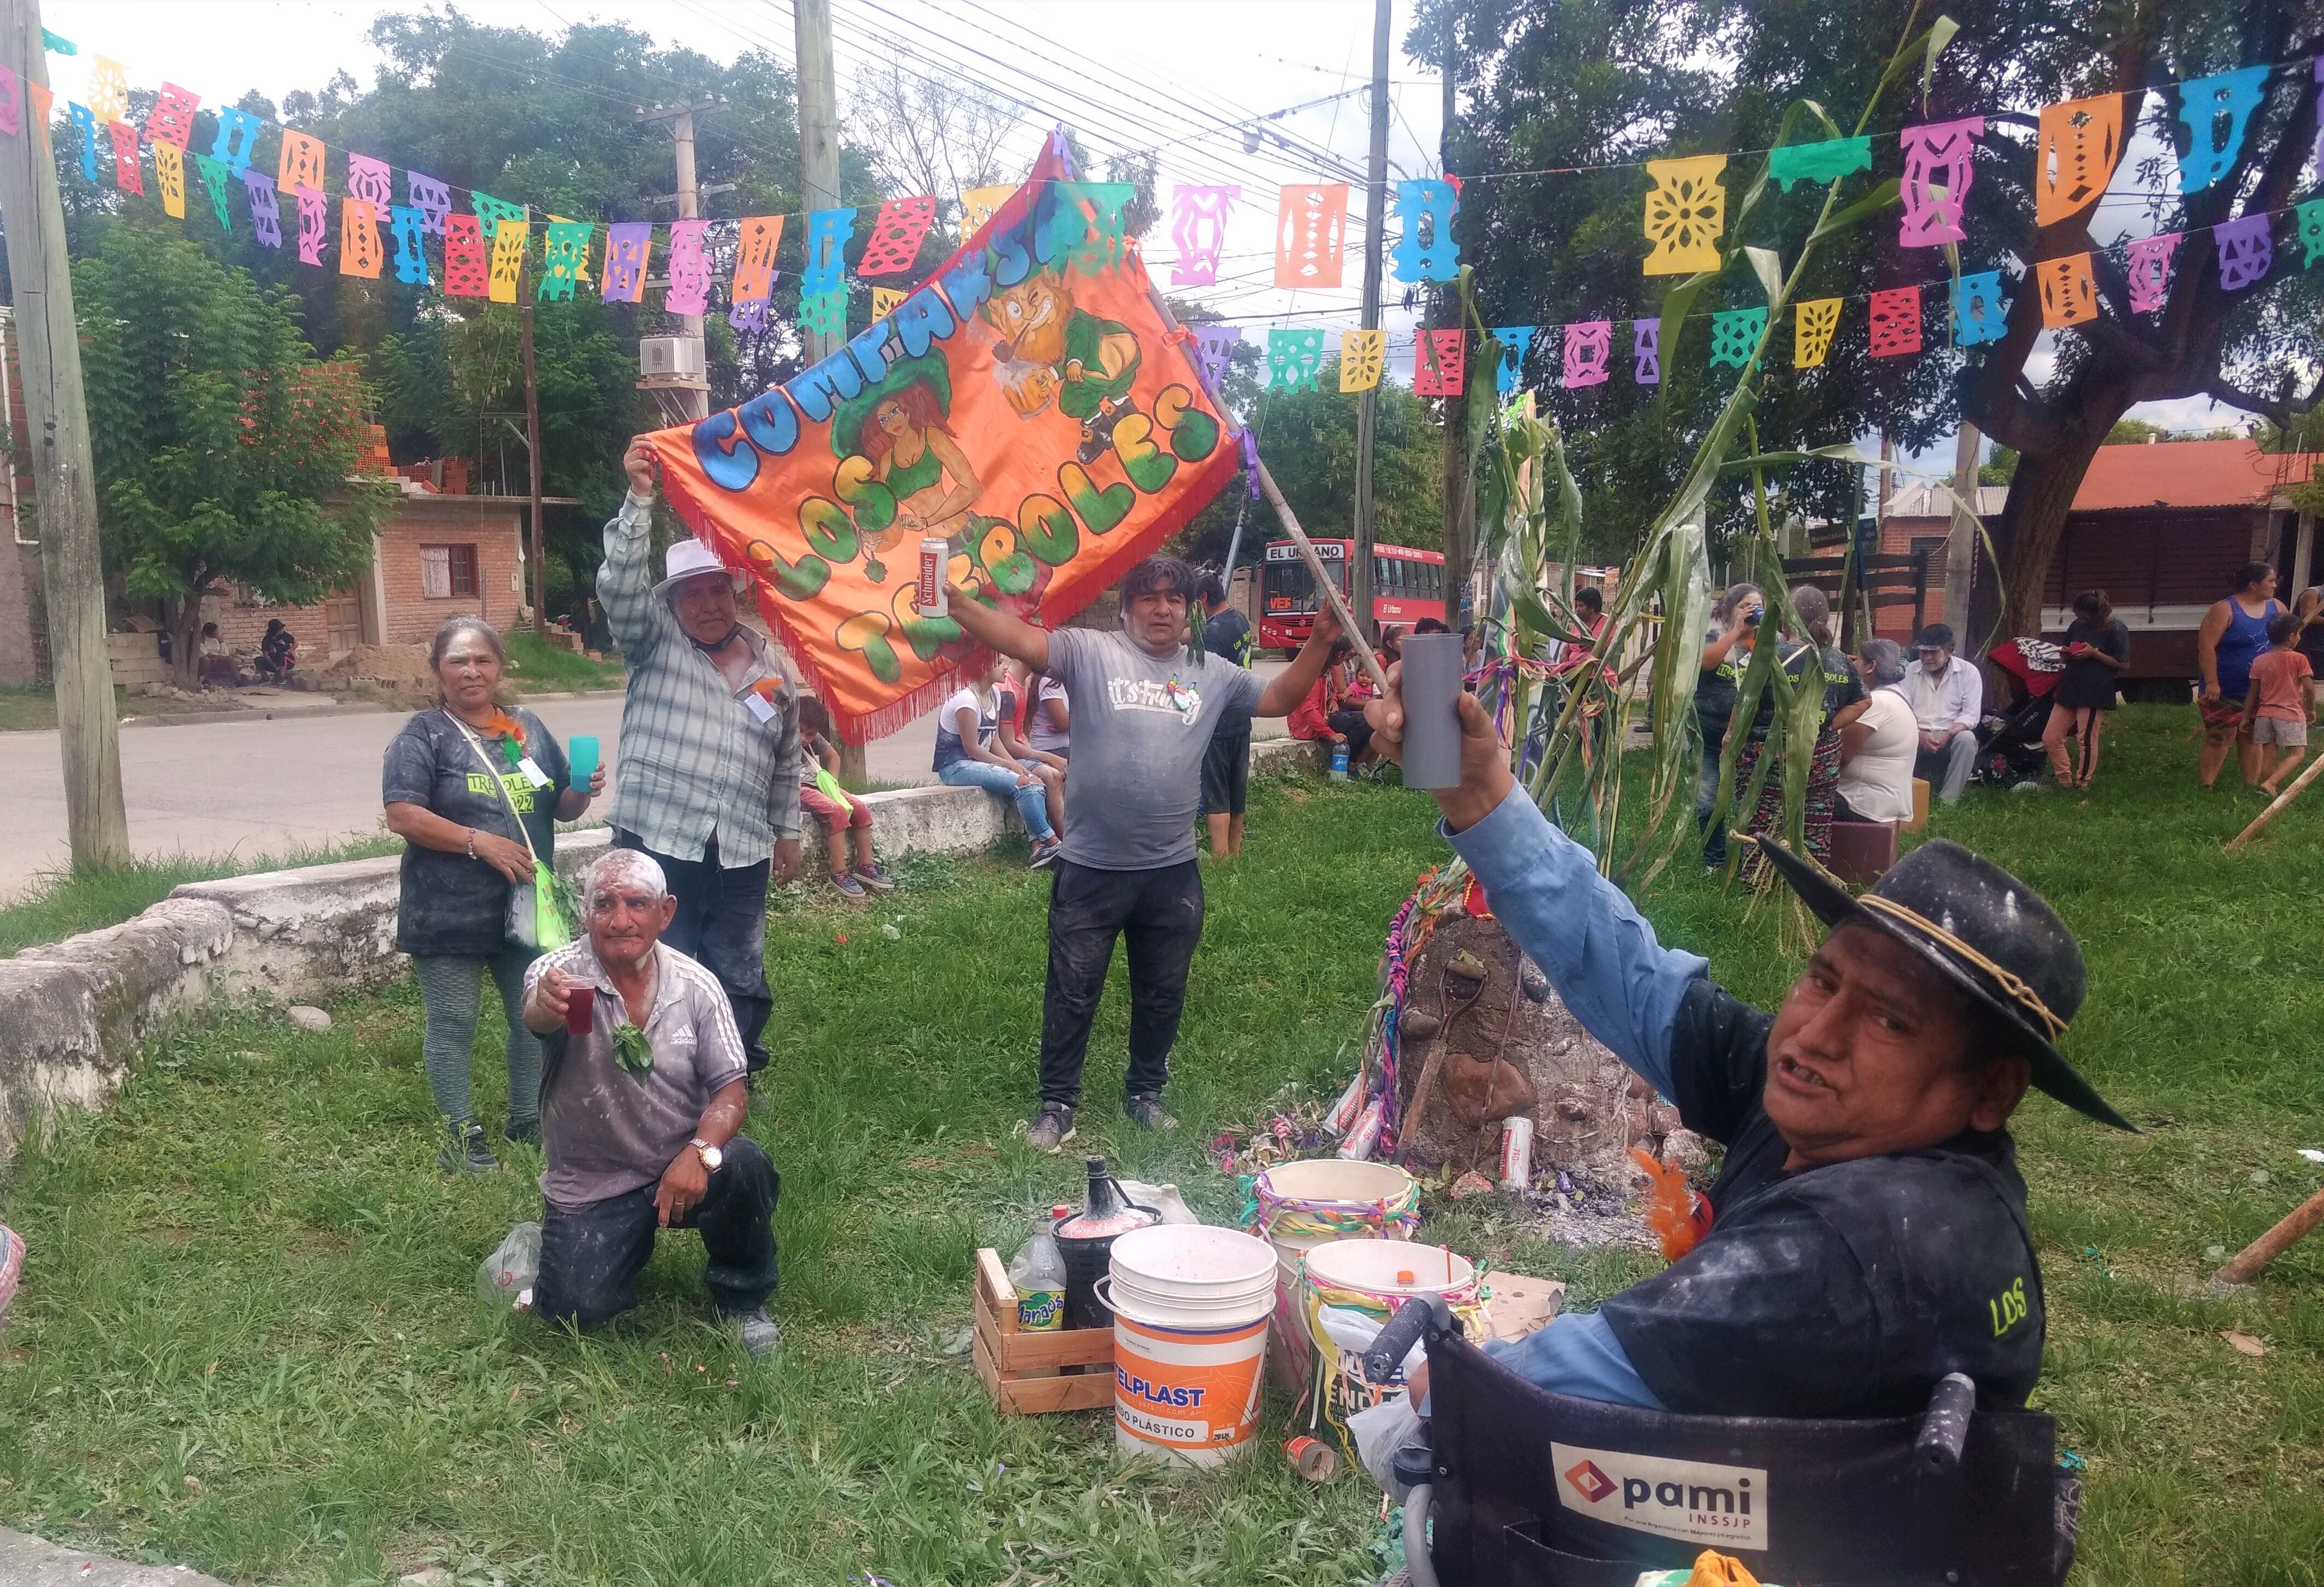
<point x="580" y="1010"/>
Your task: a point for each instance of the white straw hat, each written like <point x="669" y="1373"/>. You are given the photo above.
<point x="690" y="558"/>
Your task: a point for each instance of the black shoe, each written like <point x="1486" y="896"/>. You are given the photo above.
<point x="522" y="1131"/>
<point x="1147" y="1112"/>
<point x="757" y="1330"/>
<point x="1052" y="1127"/>
<point x="464" y="1150"/>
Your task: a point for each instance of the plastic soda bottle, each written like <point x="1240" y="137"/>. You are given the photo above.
<point x="1037" y="1274"/>
<point x="1339" y="761"/>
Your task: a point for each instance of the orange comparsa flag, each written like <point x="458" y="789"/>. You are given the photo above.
<point x="1042" y="418"/>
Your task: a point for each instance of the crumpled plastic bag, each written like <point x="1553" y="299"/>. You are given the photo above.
<point x="508" y="1274"/>
<point x="1354" y="1332"/>
<point x="1379" y="1433"/>
<point x="1164" y="1199"/>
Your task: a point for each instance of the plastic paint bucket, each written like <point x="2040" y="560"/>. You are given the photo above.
<point x="1190" y="1308"/>
<point x="1375" y="1277"/>
<point x="1305" y="1204"/>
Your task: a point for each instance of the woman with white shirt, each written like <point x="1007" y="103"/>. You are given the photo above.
<point x="967" y="757"/>
<point x="1877" y="749"/>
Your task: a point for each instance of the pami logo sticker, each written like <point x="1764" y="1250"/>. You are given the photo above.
<point x="1726" y="1505"/>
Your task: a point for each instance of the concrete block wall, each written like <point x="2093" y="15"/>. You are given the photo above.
<point x="72" y="1013"/>
<point x="242" y="626"/>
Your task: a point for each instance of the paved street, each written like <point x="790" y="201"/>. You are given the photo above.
<point x="264" y="788"/>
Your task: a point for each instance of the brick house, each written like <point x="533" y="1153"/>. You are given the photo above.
<point x="1920" y="518"/>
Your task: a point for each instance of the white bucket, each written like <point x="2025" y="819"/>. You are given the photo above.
<point x="1375" y="1277"/>
<point x="1190" y="1308"/>
<point x="1297" y="1201"/>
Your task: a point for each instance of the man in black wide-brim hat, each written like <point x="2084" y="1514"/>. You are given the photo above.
<point x="1867" y="1228"/>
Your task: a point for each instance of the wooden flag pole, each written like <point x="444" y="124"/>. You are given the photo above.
<point x="1325" y="585"/>
<point x="2275" y="809"/>
<point x="2247" y="1262"/>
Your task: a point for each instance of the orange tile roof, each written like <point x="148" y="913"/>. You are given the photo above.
<point x="2190" y="474"/>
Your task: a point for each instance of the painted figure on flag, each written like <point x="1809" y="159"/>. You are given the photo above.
<point x="899" y="425"/>
<point x="1049" y="348"/>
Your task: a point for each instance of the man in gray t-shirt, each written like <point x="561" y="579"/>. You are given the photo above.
<point x="1143" y="707"/>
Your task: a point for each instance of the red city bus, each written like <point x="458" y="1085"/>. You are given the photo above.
<point x="1407" y="585"/>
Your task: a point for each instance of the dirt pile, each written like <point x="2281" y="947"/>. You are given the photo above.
<point x="401" y="670"/>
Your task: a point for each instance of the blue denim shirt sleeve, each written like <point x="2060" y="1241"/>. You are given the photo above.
<point x="1596" y="949"/>
<point x="1576" y="1354"/>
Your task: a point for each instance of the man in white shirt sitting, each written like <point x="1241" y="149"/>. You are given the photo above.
<point x="1947" y="696"/>
<point x="1878" y="748"/>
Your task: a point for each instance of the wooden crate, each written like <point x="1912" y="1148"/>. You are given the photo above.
<point x="1006" y="1355"/>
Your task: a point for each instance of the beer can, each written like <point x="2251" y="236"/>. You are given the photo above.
<point x="1317" y="1461"/>
<point x="1517" y="1153"/>
<point x="1344" y="1113"/>
<point x="931" y="601"/>
<point x="1358" y="1146"/>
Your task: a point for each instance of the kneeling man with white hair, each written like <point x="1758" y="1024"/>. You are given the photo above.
<point x="639" y="1118"/>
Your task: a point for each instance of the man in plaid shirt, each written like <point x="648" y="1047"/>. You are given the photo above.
<point x="708" y="781"/>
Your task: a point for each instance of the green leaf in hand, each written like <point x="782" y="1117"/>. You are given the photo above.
<point x="631" y="1051"/>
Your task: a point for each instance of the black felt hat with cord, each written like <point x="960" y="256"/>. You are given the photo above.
<point x="1987" y="932"/>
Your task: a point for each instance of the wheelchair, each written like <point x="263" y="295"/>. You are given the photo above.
<point x="1514" y="1486"/>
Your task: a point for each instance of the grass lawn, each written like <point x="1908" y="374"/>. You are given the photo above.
<point x="536" y="666"/>
<point x="248" y="1338"/>
<point x="32" y="708"/>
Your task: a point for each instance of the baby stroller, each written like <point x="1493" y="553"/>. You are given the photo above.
<point x="1510" y="1485"/>
<point x="2009" y="745"/>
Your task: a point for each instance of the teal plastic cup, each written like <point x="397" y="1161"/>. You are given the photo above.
<point x="581" y="756"/>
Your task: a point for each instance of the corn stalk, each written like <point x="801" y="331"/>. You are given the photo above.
<point x="1530" y="509"/>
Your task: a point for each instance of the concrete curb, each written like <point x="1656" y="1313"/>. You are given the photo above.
<point x="27" y="1562"/>
<point x="75" y="1012"/>
<point x="199" y="718"/>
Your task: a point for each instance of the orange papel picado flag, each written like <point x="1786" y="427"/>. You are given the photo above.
<point x="1042" y="418"/>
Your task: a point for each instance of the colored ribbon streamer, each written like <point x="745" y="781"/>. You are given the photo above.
<point x="828" y="232"/>
<point x="1814" y="323"/>
<point x="1589" y="347"/>
<point x="1686" y="214"/>
<point x="1895" y="322"/>
<point x="689" y="270"/>
<point x="218" y="180"/>
<point x="1980" y="314"/>
<point x="109" y="88"/>
<point x="2075" y="152"/>
<point x="1214" y="346"/>
<point x="127" y="174"/>
<point x="1440" y="362"/>
<point x="1827" y="162"/>
<point x="265" y="208"/>
<point x="368" y="179"/>
<point x="509" y="239"/>
<point x="1508" y="364"/>
<point x="1428" y="249"/>
<point x="894" y="246"/>
<point x="627" y="245"/>
<point x="1086" y="230"/>
<point x="431" y="198"/>
<point x="302" y="162"/>
<point x="2246" y="250"/>
<point x="1311" y="223"/>
<point x="169" y="176"/>
<point x="2069" y="295"/>
<point x="410" y="226"/>
<point x="2150" y="271"/>
<point x="238" y="135"/>
<point x="564" y="256"/>
<point x="1363" y="356"/>
<point x="84" y="124"/>
<point x="1735" y="336"/>
<point x="1939" y="159"/>
<point x="1294" y="358"/>
<point x="466" y="272"/>
<point x="1647" y="349"/>
<point x="1198" y="226"/>
<point x="360" y="254"/>
<point x="2201" y="102"/>
<point x="314" y="224"/>
<point x="172" y="118"/>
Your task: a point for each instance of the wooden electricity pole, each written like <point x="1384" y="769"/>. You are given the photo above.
<point x="1960" y="542"/>
<point x="533" y="457"/>
<point x="1460" y="497"/>
<point x="72" y="565"/>
<point x="1360" y="571"/>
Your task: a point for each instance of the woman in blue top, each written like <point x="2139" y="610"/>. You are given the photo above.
<point x="967" y="757"/>
<point x="2233" y="633"/>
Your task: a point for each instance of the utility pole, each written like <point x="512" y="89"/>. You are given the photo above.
<point x="1460" y="498"/>
<point x="533" y="457"/>
<point x="72" y="566"/>
<point x="1360" y="574"/>
<point x="1960" y="544"/>
<point x="692" y="400"/>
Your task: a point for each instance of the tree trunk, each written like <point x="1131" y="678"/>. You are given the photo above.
<point x="185" y="640"/>
<point x="2033" y="521"/>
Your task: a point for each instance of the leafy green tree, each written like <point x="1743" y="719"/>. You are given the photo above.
<point x="222" y="449"/>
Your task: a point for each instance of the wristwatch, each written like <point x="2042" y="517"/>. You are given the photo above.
<point x="710" y="1154"/>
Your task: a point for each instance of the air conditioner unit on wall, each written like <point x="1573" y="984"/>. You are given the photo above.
<point x="670" y="358"/>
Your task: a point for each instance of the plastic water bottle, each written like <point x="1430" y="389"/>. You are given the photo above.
<point x="1038" y="1273"/>
<point x="1340" y="761"/>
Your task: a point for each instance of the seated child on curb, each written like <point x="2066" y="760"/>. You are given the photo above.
<point x="1020" y="693"/>
<point x="2280" y="701"/>
<point x="841" y="814"/>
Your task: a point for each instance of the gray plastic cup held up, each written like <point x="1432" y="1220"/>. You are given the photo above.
<point x="1433" y="665"/>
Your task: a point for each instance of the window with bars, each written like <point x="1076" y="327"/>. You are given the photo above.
<point x="448" y="573"/>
